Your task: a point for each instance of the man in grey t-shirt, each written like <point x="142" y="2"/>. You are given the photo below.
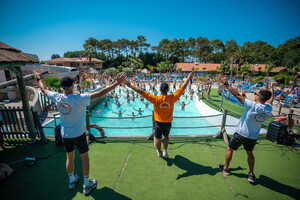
<point x="72" y="109"/>
<point x="249" y="125"/>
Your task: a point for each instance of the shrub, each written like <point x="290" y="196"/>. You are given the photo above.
<point x="52" y="82"/>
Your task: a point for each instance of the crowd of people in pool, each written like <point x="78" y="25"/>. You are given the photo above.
<point x="123" y="94"/>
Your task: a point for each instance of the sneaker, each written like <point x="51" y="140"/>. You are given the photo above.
<point x="225" y="171"/>
<point x="88" y="189"/>
<point x="159" y="153"/>
<point x="165" y="154"/>
<point x="74" y="183"/>
<point x="251" y="178"/>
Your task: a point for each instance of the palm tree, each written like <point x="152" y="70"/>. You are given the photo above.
<point x="246" y="69"/>
<point x="160" y="67"/>
<point x="259" y="70"/>
<point x="240" y="58"/>
<point x="224" y="66"/>
<point x="89" y="52"/>
<point x="151" y="69"/>
<point x="269" y="68"/>
<point x="179" y="70"/>
<point x="295" y="70"/>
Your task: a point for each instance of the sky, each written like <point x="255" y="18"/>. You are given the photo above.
<point x="55" y="27"/>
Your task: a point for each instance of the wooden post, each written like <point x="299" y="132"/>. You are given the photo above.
<point x="39" y="126"/>
<point x="27" y="113"/>
<point x="280" y="107"/>
<point x="222" y="133"/>
<point x="289" y="120"/>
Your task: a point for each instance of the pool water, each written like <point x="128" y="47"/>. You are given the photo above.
<point x="191" y="110"/>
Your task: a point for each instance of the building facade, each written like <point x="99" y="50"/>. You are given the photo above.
<point x="83" y="64"/>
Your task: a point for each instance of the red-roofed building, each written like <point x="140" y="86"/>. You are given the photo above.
<point x="83" y="64"/>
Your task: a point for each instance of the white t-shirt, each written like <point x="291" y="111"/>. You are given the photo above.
<point x="72" y="109"/>
<point x="254" y="116"/>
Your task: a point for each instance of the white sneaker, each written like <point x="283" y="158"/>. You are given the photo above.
<point x="165" y="154"/>
<point x="88" y="189"/>
<point x="74" y="183"/>
<point x="159" y="153"/>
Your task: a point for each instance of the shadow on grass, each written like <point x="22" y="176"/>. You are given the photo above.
<point x="106" y="193"/>
<point x="192" y="168"/>
<point x="274" y="185"/>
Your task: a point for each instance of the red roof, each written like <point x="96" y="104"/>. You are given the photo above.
<point x="200" y="66"/>
<point x="59" y="60"/>
<point x="279" y="69"/>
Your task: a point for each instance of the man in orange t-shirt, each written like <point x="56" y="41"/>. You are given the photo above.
<point x="163" y="112"/>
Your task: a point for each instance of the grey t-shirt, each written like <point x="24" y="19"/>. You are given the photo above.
<point x="254" y="116"/>
<point x="72" y="109"/>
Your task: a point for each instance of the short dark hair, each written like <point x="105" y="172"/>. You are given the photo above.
<point x="66" y="82"/>
<point x="164" y="87"/>
<point x="264" y="95"/>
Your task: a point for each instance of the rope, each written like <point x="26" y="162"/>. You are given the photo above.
<point x="120" y="117"/>
<point x="201" y="116"/>
<point x="152" y="127"/>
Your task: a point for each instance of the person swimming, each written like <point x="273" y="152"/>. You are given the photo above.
<point x="120" y="113"/>
<point x="183" y="104"/>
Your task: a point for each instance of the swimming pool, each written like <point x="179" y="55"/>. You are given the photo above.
<point x="193" y="109"/>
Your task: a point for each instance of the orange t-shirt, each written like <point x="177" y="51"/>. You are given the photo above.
<point x="163" y="105"/>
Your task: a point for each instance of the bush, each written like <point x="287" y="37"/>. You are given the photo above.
<point x="257" y="79"/>
<point x="282" y="79"/>
<point x="52" y="82"/>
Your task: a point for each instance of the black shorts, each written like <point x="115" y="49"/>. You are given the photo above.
<point x="80" y="142"/>
<point x="160" y="129"/>
<point x="239" y="140"/>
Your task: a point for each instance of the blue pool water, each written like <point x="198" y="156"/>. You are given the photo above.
<point x="191" y="110"/>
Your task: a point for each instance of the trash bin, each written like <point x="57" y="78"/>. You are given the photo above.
<point x="11" y="93"/>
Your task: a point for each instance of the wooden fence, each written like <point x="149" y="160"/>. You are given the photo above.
<point x="14" y="125"/>
<point x="46" y="103"/>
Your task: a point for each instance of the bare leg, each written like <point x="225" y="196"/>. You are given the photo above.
<point x="85" y="163"/>
<point x="250" y="162"/>
<point x="157" y="143"/>
<point x="166" y="143"/>
<point x="70" y="162"/>
<point x="228" y="157"/>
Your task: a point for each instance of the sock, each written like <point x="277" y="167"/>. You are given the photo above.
<point x="71" y="177"/>
<point x="86" y="180"/>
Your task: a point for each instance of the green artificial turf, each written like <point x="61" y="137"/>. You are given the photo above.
<point x="130" y="169"/>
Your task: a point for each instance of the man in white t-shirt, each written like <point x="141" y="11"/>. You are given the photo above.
<point x="249" y="125"/>
<point x="72" y="109"/>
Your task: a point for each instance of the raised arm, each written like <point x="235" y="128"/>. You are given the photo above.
<point x="120" y="79"/>
<point x="232" y="90"/>
<point x="136" y="89"/>
<point x="189" y="77"/>
<point x="270" y="87"/>
<point x="40" y="82"/>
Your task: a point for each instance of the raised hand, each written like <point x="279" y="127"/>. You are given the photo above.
<point x="190" y="76"/>
<point x="36" y="74"/>
<point x="121" y="78"/>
